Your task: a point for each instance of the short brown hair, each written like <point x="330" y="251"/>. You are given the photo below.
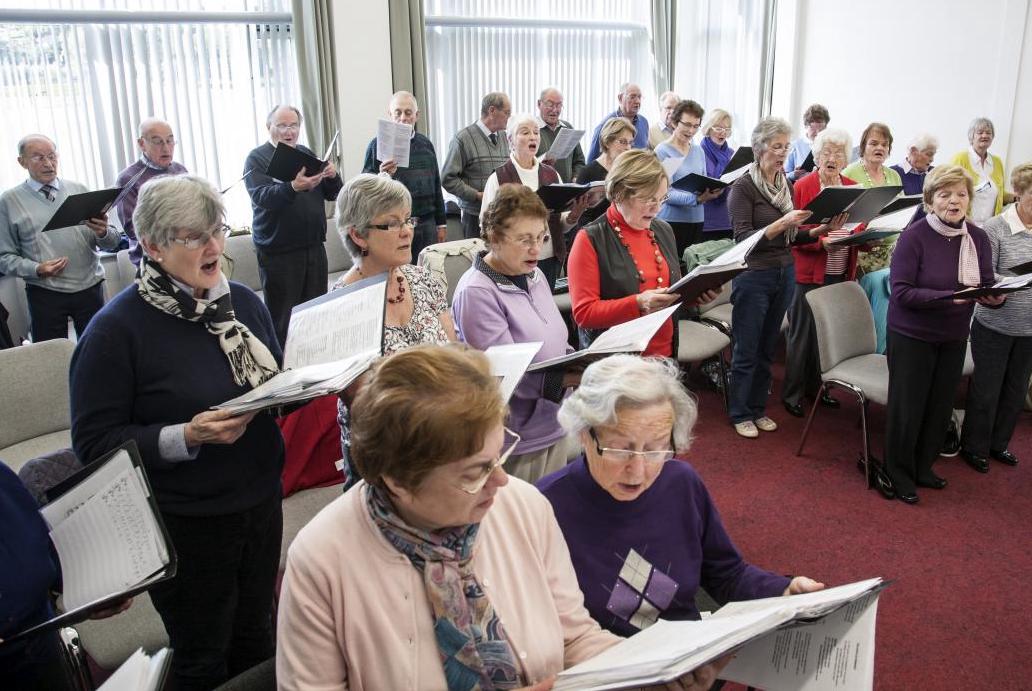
<point x="421" y="408"/>
<point x="687" y="106"/>
<point x="612" y="129"/>
<point x="878" y="127"/>
<point x="1021" y="179"/>
<point x="816" y="113"/>
<point x="636" y="173"/>
<point x="944" y="176"/>
<point x="512" y="202"/>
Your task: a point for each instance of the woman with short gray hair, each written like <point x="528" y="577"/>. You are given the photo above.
<point x="761" y="202"/>
<point x="987" y="170"/>
<point x="658" y="520"/>
<point x="920" y="154"/>
<point x="373" y="218"/>
<point x="148" y="369"/>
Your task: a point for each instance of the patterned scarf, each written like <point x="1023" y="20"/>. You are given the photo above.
<point x="472" y="644"/>
<point x="777" y="193"/>
<point x="968" y="273"/>
<point x="249" y="359"/>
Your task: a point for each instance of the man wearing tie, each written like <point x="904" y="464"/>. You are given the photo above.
<point x="550" y="107"/>
<point x="289" y="226"/>
<point x="157" y="145"/>
<point x="62" y="273"/>
<point x="473" y="155"/>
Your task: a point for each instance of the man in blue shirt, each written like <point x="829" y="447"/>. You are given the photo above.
<point x="629" y="99"/>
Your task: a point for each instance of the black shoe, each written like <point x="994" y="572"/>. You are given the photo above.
<point x="977" y="462"/>
<point x="828" y="402"/>
<point x="951" y="446"/>
<point x="933" y="481"/>
<point x="910" y="498"/>
<point x="794" y="409"/>
<point x="1004" y="456"/>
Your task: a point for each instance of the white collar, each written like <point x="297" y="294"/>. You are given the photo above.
<point x="532" y="169"/>
<point x="976" y="162"/>
<point x="483" y="128"/>
<point x="214" y="294"/>
<point x="907" y="168"/>
<point x="36" y="185"/>
<point x="1014" y="221"/>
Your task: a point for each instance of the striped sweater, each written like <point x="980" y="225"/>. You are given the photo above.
<point x="471" y="160"/>
<point x="1012" y="245"/>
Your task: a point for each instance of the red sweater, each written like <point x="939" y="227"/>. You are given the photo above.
<point x="591" y="311"/>
<point x="811" y="258"/>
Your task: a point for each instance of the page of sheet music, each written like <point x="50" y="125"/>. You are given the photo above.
<point x="109" y="543"/>
<point x="64" y="506"/>
<point x="734" y="174"/>
<point x="564" y="144"/>
<point x="633" y="335"/>
<point x="393" y="142"/>
<point x="836" y="652"/>
<point x="141" y="672"/>
<point x="510" y="362"/>
<point x="806" y="604"/>
<point x="336" y="328"/>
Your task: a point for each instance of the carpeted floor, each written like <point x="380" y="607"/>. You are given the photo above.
<point x="959" y="615"/>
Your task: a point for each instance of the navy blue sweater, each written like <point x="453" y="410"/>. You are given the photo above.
<point x="137" y="369"/>
<point x="285" y="220"/>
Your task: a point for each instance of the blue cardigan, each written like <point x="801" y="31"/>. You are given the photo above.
<point x="137" y="370"/>
<point x="681" y="206"/>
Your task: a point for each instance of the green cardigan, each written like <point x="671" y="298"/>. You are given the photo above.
<point x="964" y="161"/>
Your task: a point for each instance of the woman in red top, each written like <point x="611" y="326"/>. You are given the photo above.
<point x="816" y="264"/>
<point x="621" y="263"/>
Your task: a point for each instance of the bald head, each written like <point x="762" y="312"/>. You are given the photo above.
<point x="37" y="154"/>
<point x="550" y="106"/>
<point x="629" y="99"/>
<point x="156" y="142"/>
<point x="403" y="109"/>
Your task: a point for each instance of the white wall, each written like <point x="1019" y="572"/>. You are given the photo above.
<point x="922" y="65"/>
<point x="363" y="47"/>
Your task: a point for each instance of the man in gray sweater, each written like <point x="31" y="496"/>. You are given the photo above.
<point x="62" y="273"/>
<point x="473" y="155"/>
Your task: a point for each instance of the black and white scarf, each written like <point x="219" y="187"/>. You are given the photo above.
<point x="249" y="359"/>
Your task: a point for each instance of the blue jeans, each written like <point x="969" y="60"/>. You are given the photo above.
<point x="759" y="299"/>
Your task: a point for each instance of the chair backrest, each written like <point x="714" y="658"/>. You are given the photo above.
<point x="113" y="279"/>
<point x="844" y="322"/>
<point x="12" y="296"/>
<point x="245" y="261"/>
<point x="449" y="260"/>
<point x="338" y="259"/>
<point x="34" y="382"/>
<point x="722" y="299"/>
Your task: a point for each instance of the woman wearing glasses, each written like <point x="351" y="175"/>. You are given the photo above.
<point x="716" y="129"/>
<point x="615" y="137"/>
<point x="373" y="217"/>
<point x="504" y="298"/>
<point x="663" y="536"/>
<point x="684" y="210"/>
<point x="623" y="262"/>
<point x="148" y="368"/>
<point x="439" y="571"/>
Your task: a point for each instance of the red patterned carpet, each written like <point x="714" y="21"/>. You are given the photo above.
<point x="959" y="615"/>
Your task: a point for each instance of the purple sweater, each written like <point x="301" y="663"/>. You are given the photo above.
<point x="646" y="558"/>
<point x="924" y="268"/>
<point x="127" y="205"/>
<point x="489" y="310"/>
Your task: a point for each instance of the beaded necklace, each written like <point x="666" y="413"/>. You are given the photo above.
<point x="401" y="286"/>
<point x="870" y="182"/>
<point x="618" y="228"/>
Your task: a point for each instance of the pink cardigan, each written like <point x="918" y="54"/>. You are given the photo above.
<point x="353" y="613"/>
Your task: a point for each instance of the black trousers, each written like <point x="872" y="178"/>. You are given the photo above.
<point x="923" y="380"/>
<point x="218" y="608"/>
<point x="996" y="394"/>
<point x="802" y="358"/>
<point x="290" y="278"/>
<point x="49" y="310"/>
<point x="470" y="224"/>
<point x="685" y="234"/>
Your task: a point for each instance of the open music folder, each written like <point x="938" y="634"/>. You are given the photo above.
<point x="1011" y="284"/>
<point x="509" y="363"/>
<point x="141" y="672"/>
<point x="331" y="341"/>
<point x="718" y="272"/>
<point x="287" y="161"/>
<point x="108" y="534"/>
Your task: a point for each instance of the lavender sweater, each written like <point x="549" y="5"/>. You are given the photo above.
<point x="923" y="269"/>
<point x="489" y="310"/>
<point x="642" y="559"/>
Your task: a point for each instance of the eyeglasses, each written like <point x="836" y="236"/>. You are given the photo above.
<point x="552" y="104"/>
<point x="158" y="141"/>
<point x="39" y="158"/>
<point x="293" y="126"/>
<point x="529" y="242"/>
<point x="623" y="142"/>
<point x="621" y="456"/>
<point x="688" y="125"/>
<point x="395" y="225"/>
<point x="475" y="486"/>
<point x="199" y="240"/>
<point x="651" y="201"/>
<point x="720" y="130"/>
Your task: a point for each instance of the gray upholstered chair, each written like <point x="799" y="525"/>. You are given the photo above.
<point x="698" y="341"/>
<point x="12" y="296"/>
<point x="718" y="312"/>
<point x="849" y="355"/>
<point x="240" y="248"/>
<point x="34" y="409"/>
<point x="449" y="260"/>
<point x="338" y="260"/>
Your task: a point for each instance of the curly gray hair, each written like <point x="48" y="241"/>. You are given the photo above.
<point x="171" y="203"/>
<point x="835" y="136"/>
<point x="765" y="130"/>
<point x="617" y="381"/>
<point x="363" y="198"/>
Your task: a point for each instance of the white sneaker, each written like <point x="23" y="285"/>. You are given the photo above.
<point x="747" y="429"/>
<point x="766" y="424"/>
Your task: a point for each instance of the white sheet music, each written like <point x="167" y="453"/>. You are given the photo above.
<point x="510" y="362"/>
<point x="141" y="672"/>
<point x="564" y="144"/>
<point x="393" y="142"/>
<point x="734" y="174"/>
<point x="335" y="327"/>
<point x="633" y="335"/>
<point x="109" y="543"/>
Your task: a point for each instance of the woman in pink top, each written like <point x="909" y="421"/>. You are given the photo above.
<point x="438" y="571"/>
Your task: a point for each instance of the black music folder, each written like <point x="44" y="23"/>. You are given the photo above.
<point x="560" y="195"/>
<point x="287" y="162"/>
<point x="79" y="208"/>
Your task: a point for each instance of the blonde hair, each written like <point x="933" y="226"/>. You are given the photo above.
<point x="714" y="117"/>
<point x="944" y="176"/>
<point x="636" y="173"/>
<point x="612" y="129"/>
<point x="1021" y="178"/>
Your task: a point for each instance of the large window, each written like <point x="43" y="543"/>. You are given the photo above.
<point x="586" y="48"/>
<point x="85" y="73"/>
